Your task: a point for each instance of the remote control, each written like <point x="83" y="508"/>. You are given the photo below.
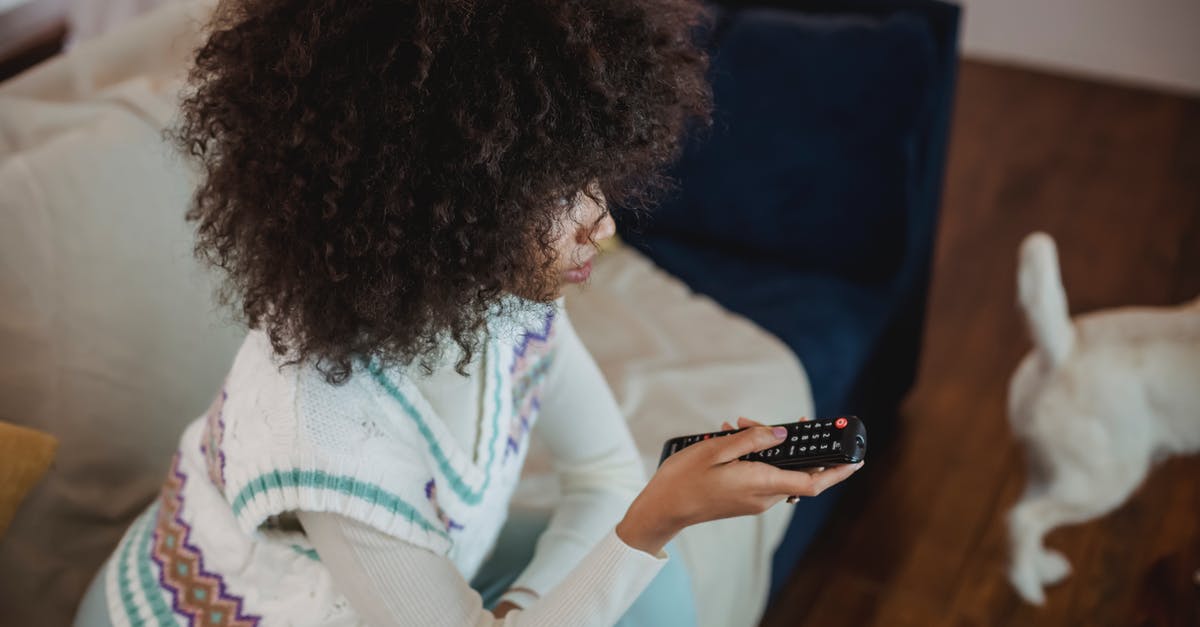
<point x="808" y="444"/>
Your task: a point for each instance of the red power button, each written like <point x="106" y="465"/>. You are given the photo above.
<point x="841" y="423"/>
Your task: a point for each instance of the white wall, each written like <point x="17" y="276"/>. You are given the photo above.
<point x="1146" y="42"/>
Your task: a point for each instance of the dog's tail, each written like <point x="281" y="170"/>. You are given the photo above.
<point x="1040" y="292"/>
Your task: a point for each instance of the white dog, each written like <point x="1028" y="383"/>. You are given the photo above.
<point x="1096" y="403"/>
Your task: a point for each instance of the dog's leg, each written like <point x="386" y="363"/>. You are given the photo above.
<point x="1052" y="567"/>
<point x="1032" y="564"/>
<point x="1065" y="502"/>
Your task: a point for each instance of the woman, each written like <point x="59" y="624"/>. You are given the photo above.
<point x="396" y="193"/>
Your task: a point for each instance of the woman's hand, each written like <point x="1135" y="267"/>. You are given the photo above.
<point x="706" y="481"/>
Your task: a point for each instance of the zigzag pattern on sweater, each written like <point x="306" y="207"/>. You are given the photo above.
<point x="197" y="594"/>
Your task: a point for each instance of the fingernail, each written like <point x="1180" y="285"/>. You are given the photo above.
<point x="780" y="432"/>
<point x="860" y="464"/>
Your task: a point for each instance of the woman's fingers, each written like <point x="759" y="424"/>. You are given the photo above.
<point x="725" y="426"/>
<point x="790" y="482"/>
<point x="745" y="423"/>
<point x="753" y="439"/>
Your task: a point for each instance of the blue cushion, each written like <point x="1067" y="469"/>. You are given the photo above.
<point x="833" y="325"/>
<point x="816" y="118"/>
<point x="811" y="206"/>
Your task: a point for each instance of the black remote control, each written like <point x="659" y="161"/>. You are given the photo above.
<point x="808" y="444"/>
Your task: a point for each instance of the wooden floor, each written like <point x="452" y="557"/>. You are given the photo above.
<point x="1114" y="175"/>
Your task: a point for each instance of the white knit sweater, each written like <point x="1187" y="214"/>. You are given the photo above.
<point x="221" y="546"/>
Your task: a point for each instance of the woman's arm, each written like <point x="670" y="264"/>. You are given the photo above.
<point x="391" y="582"/>
<point x="598" y="465"/>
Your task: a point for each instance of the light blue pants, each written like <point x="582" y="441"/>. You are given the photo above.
<point x="666" y="602"/>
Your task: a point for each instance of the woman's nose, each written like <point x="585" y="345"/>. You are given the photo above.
<point x="607" y="227"/>
<point x="596" y="231"/>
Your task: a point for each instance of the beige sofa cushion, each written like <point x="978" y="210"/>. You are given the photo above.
<point x="108" y="338"/>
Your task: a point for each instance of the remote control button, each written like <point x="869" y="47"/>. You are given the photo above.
<point x="824" y="446"/>
<point x="795" y="438"/>
<point x="804" y="437"/>
<point x="841" y="423"/>
<point x="792" y="451"/>
<point x="836" y="445"/>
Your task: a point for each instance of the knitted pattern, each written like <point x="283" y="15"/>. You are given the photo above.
<point x="214" y="432"/>
<point x="216" y="549"/>
<point x="195" y="593"/>
<point x="531" y="360"/>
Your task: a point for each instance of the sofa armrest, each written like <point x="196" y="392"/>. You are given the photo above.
<point x="158" y="44"/>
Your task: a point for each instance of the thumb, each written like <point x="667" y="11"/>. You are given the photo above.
<point x="748" y="441"/>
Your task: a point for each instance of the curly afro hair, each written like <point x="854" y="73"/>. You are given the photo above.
<point x="377" y="174"/>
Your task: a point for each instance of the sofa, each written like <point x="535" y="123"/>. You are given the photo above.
<point x="110" y="339"/>
<point x="111" y="342"/>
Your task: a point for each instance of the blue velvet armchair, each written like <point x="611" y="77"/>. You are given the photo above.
<point x="810" y="206"/>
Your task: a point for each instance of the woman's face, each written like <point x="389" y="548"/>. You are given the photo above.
<point x="584" y="224"/>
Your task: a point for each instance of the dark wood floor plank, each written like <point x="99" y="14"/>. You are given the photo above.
<point x="1114" y="175"/>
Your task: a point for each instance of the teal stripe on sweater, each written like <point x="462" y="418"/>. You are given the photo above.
<point x="321" y="480"/>
<point x="122" y="565"/>
<point x="309" y="553"/>
<point x="460" y="487"/>
<point x="150" y="587"/>
<point x="138" y="537"/>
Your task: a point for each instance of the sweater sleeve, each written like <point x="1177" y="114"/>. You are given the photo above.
<point x="392" y="582"/>
<point x="598" y="465"/>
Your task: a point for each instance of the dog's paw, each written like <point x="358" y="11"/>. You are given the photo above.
<point x="1027" y="584"/>
<point x="1052" y="567"/>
